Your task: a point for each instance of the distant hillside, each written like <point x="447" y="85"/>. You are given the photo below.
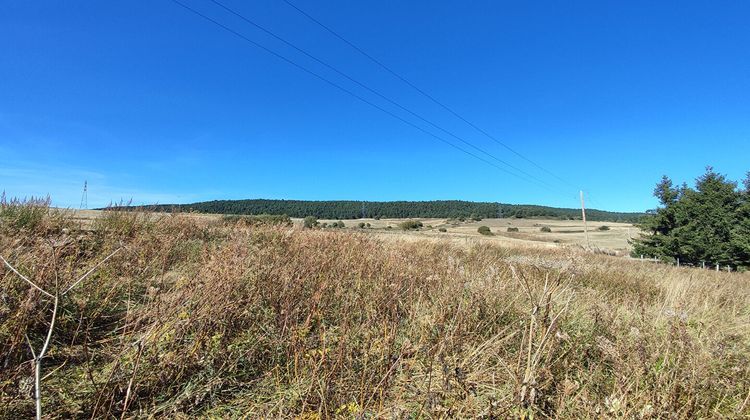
<point x="394" y="209"/>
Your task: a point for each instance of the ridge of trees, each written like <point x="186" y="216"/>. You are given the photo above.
<point x="393" y="209"/>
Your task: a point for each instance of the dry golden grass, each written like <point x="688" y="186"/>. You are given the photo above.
<point x="197" y="318"/>
<point x="564" y="232"/>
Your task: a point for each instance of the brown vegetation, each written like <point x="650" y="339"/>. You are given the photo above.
<point x="204" y="318"/>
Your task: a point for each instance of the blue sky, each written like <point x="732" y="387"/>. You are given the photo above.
<point x="145" y="100"/>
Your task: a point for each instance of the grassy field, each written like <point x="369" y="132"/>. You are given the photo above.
<point x="563" y="232"/>
<point x="197" y="317"/>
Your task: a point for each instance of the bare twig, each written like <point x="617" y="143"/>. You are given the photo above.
<point x="33" y="353"/>
<point x="55" y="370"/>
<point x="38" y="363"/>
<point x="38" y="357"/>
<point x="26" y="279"/>
<point x="132" y="377"/>
<point x="91" y="271"/>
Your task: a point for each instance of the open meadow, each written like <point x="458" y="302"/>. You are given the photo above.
<point x="562" y="232"/>
<point x="199" y="316"/>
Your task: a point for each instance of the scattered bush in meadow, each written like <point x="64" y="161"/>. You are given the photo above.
<point x="603" y="228"/>
<point x="545" y="229"/>
<point x="258" y="220"/>
<point x="484" y="230"/>
<point x="361" y="225"/>
<point x="410" y="225"/>
<point x="512" y="229"/>
<point x="442" y="229"/>
<point x="310" y="222"/>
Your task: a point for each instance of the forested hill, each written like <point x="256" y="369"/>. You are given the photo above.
<point x="394" y="209"/>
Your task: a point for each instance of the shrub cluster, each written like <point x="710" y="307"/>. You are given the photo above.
<point x="257" y="220"/>
<point x="410" y="225"/>
<point x="310" y="222"/>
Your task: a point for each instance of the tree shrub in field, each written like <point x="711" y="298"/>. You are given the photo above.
<point x="545" y="229"/>
<point x="258" y="220"/>
<point x="484" y="230"/>
<point x="310" y="222"/>
<point x="603" y="228"/>
<point x="410" y="224"/>
<point x="361" y="225"/>
<point x="512" y="229"/>
<point x="442" y="230"/>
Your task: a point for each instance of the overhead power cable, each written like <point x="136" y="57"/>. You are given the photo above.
<point x="425" y="94"/>
<point x="373" y="91"/>
<point x="345" y="90"/>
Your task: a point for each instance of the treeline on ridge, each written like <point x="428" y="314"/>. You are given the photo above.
<point x="393" y="209"/>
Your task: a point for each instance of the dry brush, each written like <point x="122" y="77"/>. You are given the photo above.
<point x="217" y="319"/>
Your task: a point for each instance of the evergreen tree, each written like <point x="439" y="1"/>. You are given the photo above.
<point x="710" y="223"/>
<point x="740" y="234"/>
<point x="660" y="223"/>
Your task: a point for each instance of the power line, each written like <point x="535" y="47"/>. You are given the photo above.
<point x="425" y="94"/>
<point x="343" y="89"/>
<point x="375" y="92"/>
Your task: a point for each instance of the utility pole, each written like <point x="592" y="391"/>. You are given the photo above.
<point x="585" y="227"/>
<point x="363" y="209"/>
<point x="85" y="196"/>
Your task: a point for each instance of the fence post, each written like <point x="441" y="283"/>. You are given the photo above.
<point x="717" y="267"/>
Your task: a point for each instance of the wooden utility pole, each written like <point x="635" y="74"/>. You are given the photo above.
<point x="585" y="227"/>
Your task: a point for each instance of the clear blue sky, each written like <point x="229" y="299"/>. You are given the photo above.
<point x="147" y="101"/>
